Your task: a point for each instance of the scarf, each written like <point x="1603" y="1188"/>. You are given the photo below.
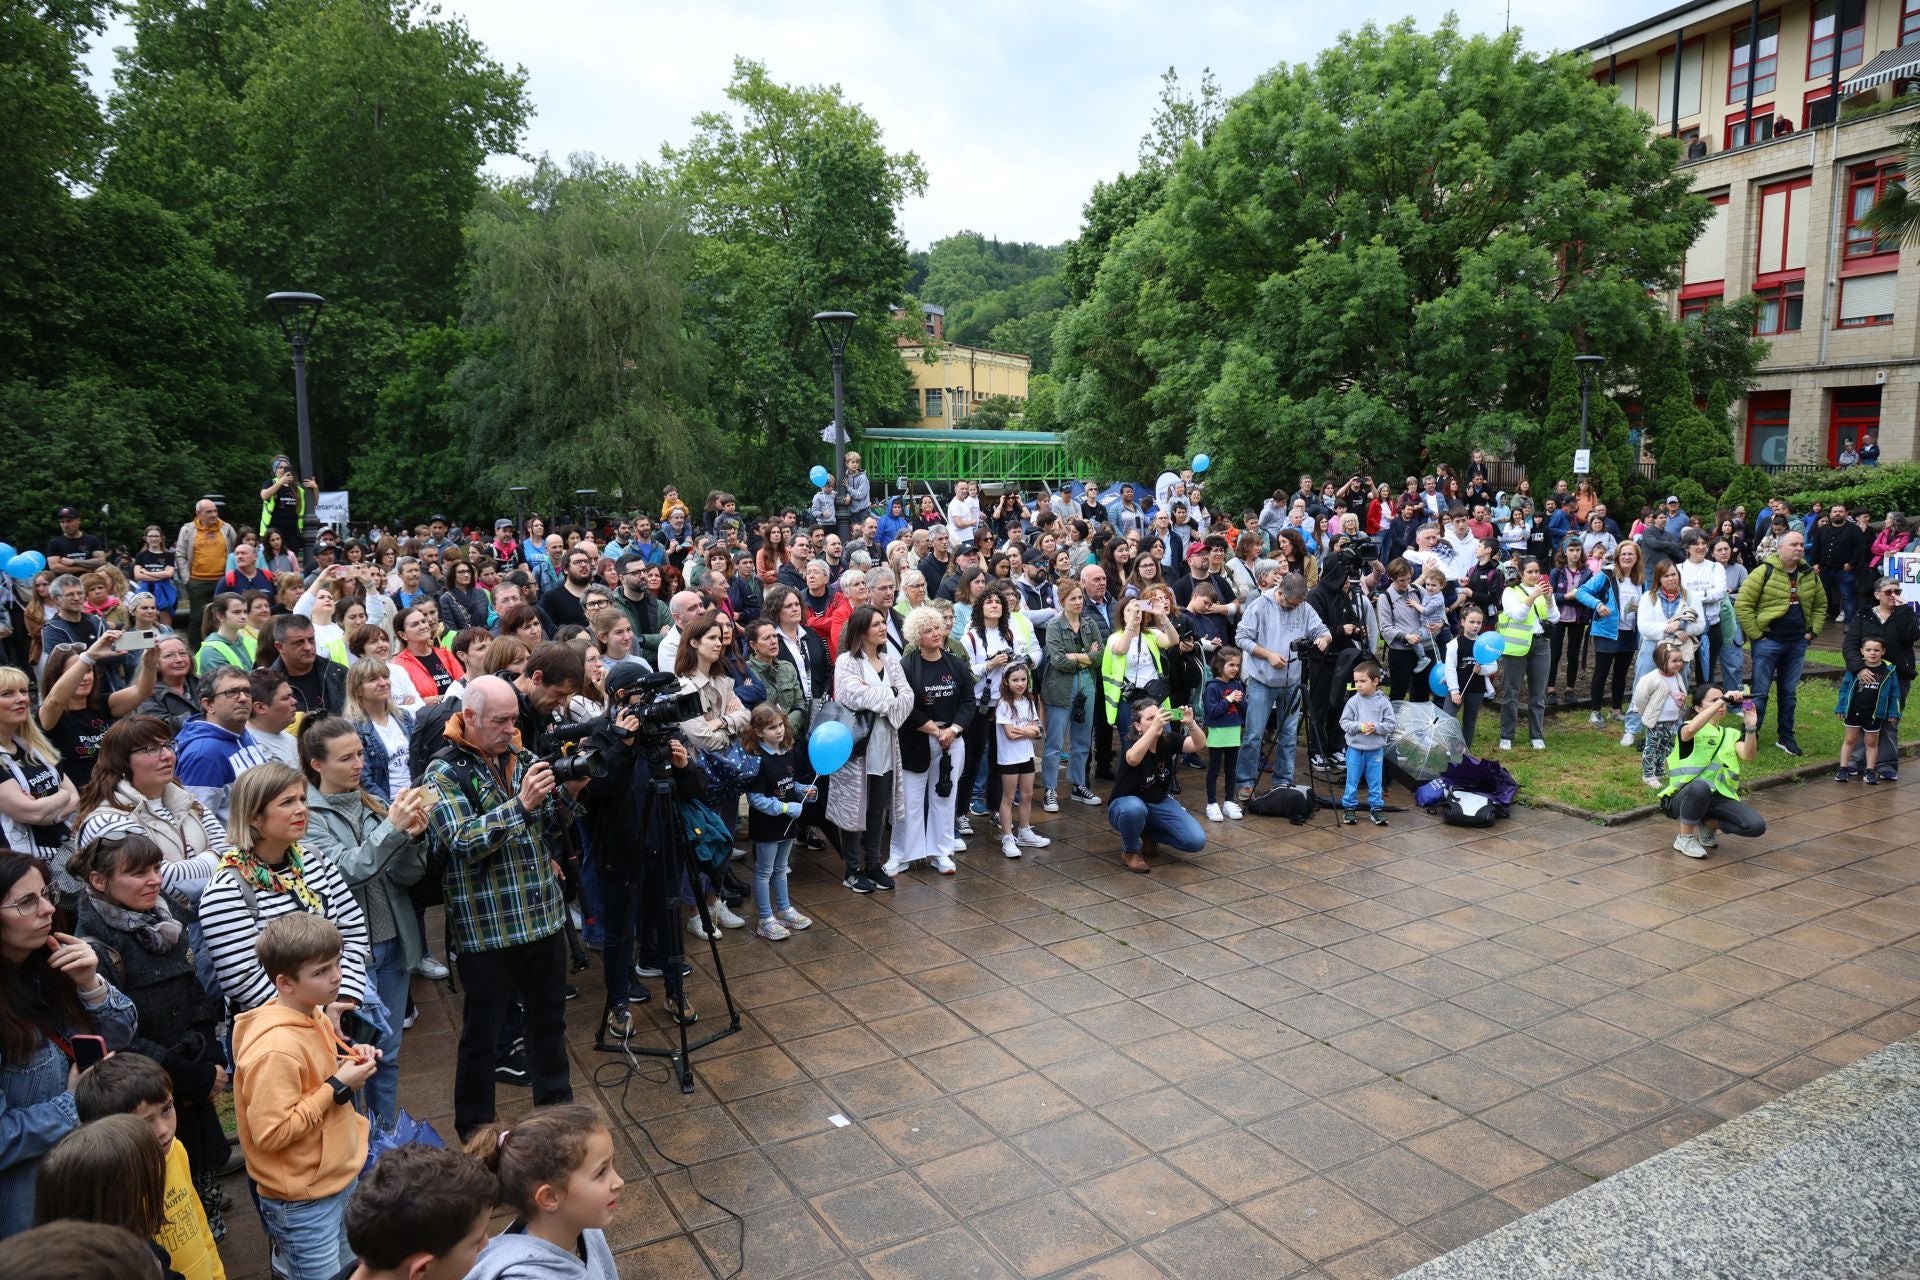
<point x="157" y="930"/>
<point x="287" y="878"/>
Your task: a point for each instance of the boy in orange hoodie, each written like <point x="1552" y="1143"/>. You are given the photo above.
<point x="294" y="1079"/>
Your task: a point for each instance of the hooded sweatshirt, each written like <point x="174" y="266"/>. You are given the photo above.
<point x="300" y="1144"/>
<point x="519" y="1256"/>
<point x="209" y="759"/>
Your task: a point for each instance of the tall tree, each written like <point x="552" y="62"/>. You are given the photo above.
<point x="796" y="204"/>
<point x="1375" y="256"/>
<point x="321" y="146"/>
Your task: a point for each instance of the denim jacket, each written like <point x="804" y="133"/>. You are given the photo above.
<point x="36" y="1109"/>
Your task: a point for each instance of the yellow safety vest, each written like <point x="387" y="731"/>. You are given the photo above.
<point x="1516" y="634"/>
<point x="1719" y="767"/>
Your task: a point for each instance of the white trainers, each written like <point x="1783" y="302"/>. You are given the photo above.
<point x="1626" y="739"/>
<point x="1690" y="845"/>
<point x="893" y="868"/>
<point x="793" y="919"/>
<point x="1539" y="744"/>
<point x="1214" y="814"/>
<point x="1708" y="837"/>
<point x="430" y="968"/>
<point x="1595" y="719"/>
<point x="1652" y="780"/>
<point x="1506" y="744"/>
<point x="1031" y="838"/>
<point x="1233" y="810"/>
<point x="725" y="917"/>
<point x="772" y="930"/>
<point x="1050" y="803"/>
<point x="695" y="928"/>
<point x="1009" y="846"/>
<point x="944" y="865"/>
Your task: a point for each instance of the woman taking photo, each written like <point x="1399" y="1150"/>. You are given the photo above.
<point x="1526" y="654"/>
<point x="125" y="905"/>
<point x="861" y="800"/>
<point x="932" y="746"/>
<point x="379" y="851"/>
<point x="385" y="729"/>
<point x="77" y="709"/>
<point x="423" y="663"/>
<point x="463" y="604"/>
<point x="154" y="570"/>
<point x="268" y="873"/>
<point x="50" y="991"/>
<point x="133" y="783"/>
<point x="1067" y="690"/>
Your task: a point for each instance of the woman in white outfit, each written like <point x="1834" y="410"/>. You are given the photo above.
<point x="862" y="800"/>
<point x="932" y="746"/>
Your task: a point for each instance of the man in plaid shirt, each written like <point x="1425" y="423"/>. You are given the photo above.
<point x="498" y="817"/>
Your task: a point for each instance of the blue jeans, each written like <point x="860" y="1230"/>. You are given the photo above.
<point x="770" y="876"/>
<point x="1075" y="739"/>
<point x="1778" y="659"/>
<point x="311" y="1234"/>
<point x="1364" y="762"/>
<point x="1263" y="701"/>
<point x="1164" y="820"/>
<point x="390" y="980"/>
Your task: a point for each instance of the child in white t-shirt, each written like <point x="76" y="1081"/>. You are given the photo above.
<point x="1017" y="726"/>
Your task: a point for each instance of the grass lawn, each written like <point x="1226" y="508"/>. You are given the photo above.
<point x="1588" y="767"/>
<point x="1832" y="657"/>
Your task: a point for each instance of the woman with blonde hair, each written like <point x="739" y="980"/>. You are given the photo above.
<point x="36" y="799"/>
<point x="384" y="727"/>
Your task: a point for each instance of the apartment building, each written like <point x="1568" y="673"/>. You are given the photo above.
<point x="945" y="391"/>
<point x="1751" y="91"/>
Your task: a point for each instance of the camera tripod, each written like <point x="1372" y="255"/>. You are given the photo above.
<point x="661" y="874"/>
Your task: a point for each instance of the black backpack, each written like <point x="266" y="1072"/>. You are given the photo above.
<point x="427" y="742"/>
<point x="1283" y="802"/>
<point x="1468" y="809"/>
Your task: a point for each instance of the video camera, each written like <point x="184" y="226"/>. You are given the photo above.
<point x="576" y="751"/>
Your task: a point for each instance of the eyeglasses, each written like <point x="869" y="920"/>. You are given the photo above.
<point x="30" y="903"/>
<point x="158" y="748"/>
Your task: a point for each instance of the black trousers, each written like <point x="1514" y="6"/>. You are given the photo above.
<point x="489" y="979"/>
<point x="1615" y="665"/>
<point x="1102" y="739"/>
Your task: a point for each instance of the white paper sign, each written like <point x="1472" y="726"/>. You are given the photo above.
<point x="1581" y="459"/>
<point x="332" y="507"/>
<point x="1904" y="568"/>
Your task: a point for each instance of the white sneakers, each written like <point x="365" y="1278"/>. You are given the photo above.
<point x="1032" y="839"/>
<point x="694" y="927"/>
<point x="772" y="930"/>
<point x="892" y="869"/>
<point x="1690" y="845"/>
<point x="1506" y="744"/>
<point x="1652" y="780"/>
<point x="726" y="918"/>
<point x="1626" y="739"/>
<point x="1233" y="810"/>
<point x="944" y="865"/>
<point x="1214" y="814"/>
<point x="1539" y="744"/>
<point x="1708" y="837"/>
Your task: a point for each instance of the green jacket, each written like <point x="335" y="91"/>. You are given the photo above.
<point x="783" y="690"/>
<point x="1763" y="597"/>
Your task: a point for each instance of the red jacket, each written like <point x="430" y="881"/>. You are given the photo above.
<point x="830" y="623"/>
<point x="417" y="672"/>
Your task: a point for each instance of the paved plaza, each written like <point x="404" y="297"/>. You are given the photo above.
<point x="1309" y="1051"/>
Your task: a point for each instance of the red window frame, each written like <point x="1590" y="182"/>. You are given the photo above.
<point x="1762" y="112"/>
<point x="1766" y="409"/>
<point x="1910" y="22"/>
<point x="1861" y="251"/>
<point x="1856" y="409"/>
<point x="1852" y="40"/>
<point x="1695" y="305"/>
<point x="1864" y="322"/>
<point x="1765" y="70"/>
<point x="1791" y="285"/>
<point x="1796" y="189"/>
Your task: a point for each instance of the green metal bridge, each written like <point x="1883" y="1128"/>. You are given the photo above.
<point x="1024" y="459"/>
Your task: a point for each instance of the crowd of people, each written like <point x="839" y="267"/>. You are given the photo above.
<point x="241" y="766"/>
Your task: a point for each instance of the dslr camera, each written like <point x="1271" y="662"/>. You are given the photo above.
<point x="577" y="751"/>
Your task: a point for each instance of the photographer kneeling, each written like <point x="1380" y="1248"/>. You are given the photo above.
<point x="629" y="846"/>
<point x="1141" y="809"/>
<point x="1703" y="776"/>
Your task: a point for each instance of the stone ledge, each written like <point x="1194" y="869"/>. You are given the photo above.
<point x="1824" y="1182"/>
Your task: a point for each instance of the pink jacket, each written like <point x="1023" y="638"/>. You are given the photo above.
<point x="1883" y="546"/>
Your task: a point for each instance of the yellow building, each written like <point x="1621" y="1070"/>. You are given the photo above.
<point x="959" y="377"/>
<point x="1754" y="106"/>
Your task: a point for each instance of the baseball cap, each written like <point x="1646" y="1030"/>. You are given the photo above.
<point x="502" y="523"/>
<point x="67" y="513"/>
<point x="437" y="518"/>
<point x="1671" y="498"/>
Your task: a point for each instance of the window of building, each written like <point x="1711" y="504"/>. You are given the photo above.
<point x="1781" y="307"/>
<point x="935" y="409"/>
<point x="1756" y="62"/>
<point x="1694" y="308"/>
<point x="1910" y="22"/>
<point x="1865" y="185"/>
<point x="1852" y="38"/>
<point x="1743" y="127"/>
<point x="1867" y="300"/>
<point x="1691" y="55"/>
<point x="1706" y="261"/>
<point x="1783" y="231"/>
<point x="1626" y="83"/>
<point x="913" y="402"/>
<point x="1767" y="428"/>
<point x="1856" y="410"/>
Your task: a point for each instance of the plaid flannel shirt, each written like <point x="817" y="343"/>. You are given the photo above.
<point x="501" y="888"/>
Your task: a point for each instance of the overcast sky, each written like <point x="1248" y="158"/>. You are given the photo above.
<point x="1016" y="109"/>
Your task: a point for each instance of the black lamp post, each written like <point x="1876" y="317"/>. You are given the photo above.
<point x="297" y="314"/>
<point x="1588" y="366"/>
<point x="836" y="327"/>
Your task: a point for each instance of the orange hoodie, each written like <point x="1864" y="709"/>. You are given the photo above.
<point x="300" y="1144"/>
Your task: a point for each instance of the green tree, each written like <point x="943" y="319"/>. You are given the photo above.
<point x="582" y="373"/>
<point x="1545" y="449"/>
<point x="421" y="442"/>
<point x="1374" y="257"/>
<point x="796" y="207"/>
<point x="329" y="147"/>
<point x="995" y="413"/>
<point x="1688" y="442"/>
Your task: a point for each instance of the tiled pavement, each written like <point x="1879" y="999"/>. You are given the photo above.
<point x="1308" y="1051"/>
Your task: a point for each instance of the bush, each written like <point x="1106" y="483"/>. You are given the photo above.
<point x="1878" y="489"/>
<point x="1751" y="488"/>
<point x="1694" y="500"/>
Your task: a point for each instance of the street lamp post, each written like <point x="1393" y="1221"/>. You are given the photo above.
<point x="297" y="314"/>
<point x="836" y="327"/>
<point x="1588" y="366"/>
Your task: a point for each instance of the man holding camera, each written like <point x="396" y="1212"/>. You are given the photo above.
<point x="629" y="846"/>
<point x="1276" y="630"/>
<point x="500" y="817"/>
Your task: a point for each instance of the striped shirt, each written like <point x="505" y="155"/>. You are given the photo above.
<point x="231" y="929"/>
<point x="500" y="885"/>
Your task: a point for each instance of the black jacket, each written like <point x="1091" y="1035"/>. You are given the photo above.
<point x="333" y="682"/>
<point x="1898" y="634"/>
<point x="179" y="1021"/>
<point x="955" y="708"/>
<point x="1835" y="546"/>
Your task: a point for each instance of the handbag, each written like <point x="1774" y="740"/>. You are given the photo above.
<point x="406" y="1132"/>
<point x="859" y="723"/>
<point x="729" y="768"/>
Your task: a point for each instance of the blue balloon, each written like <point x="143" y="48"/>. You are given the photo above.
<point x="829" y="746"/>
<point x="21" y="568"/>
<point x="1437" y="681"/>
<point x="6" y="552"/>
<point x="1201" y="462"/>
<point x="1488" y="648"/>
<point x="39" y="559"/>
<point x="819" y="476"/>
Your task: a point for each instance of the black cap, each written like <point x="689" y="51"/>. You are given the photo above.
<point x="67" y="513"/>
<point x="438" y="519"/>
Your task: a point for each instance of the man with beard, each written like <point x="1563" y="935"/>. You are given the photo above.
<point x="563" y="602"/>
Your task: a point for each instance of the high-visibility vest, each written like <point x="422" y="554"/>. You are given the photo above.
<point x="1719" y="767"/>
<point x="1517" y="633"/>
<point x="1113" y="673"/>
<point x="266" y="509"/>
